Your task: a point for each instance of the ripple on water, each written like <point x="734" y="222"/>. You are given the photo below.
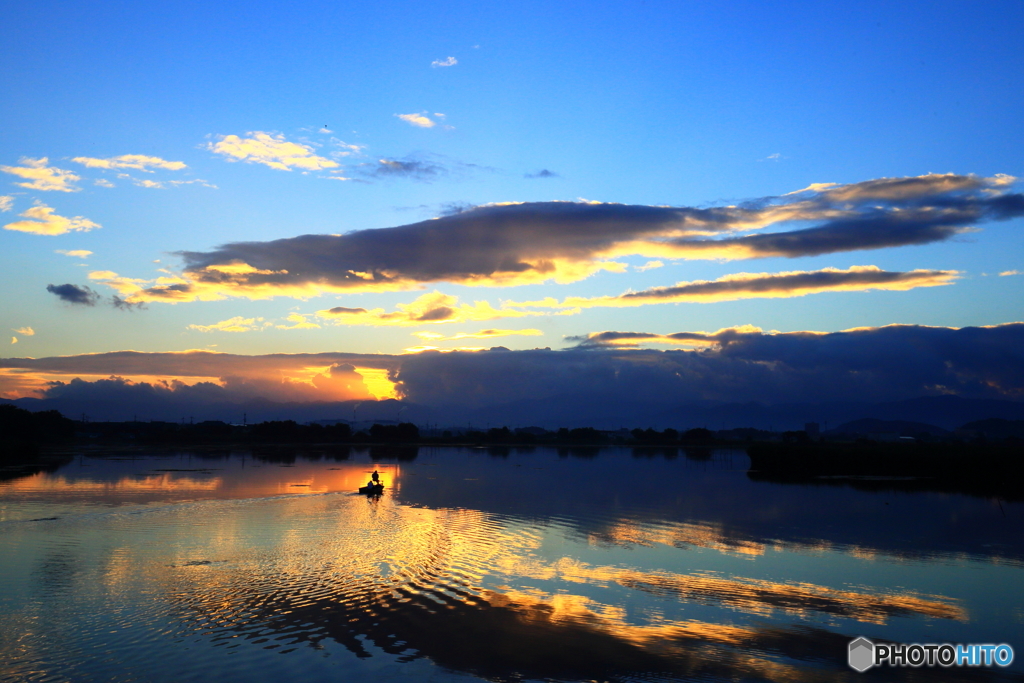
<point x="274" y="575"/>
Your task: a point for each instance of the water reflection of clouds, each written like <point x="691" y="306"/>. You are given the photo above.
<point x="740" y="542"/>
<point x="463" y="588"/>
<point x="753" y="596"/>
<point x="682" y="534"/>
<point x="501" y="592"/>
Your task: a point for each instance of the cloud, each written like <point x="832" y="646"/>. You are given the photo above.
<point x="103" y="182"/>
<point x="6" y="202"/>
<point x="649" y="266"/>
<point x="77" y="253"/>
<point x="86" y="296"/>
<point x="121" y="397"/>
<point x="736" y="365"/>
<point x="1007" y="273"/>
<point x="299" y="322"/>
<point x="14" y="340"/>
<point x="43" y="177"/>
<point x="136" y="161"/>
<point x="125" y="305"/>
<point x="451" y="61"/>
<point x="762" y="286"/>
<point x="634" y="339"/>
<point x="543" y="173"/>
<point x="420" y="120"/>
<point x="733" y="366"/>
<point x="73" y="294"/>
<point x="236" y="324"/>
<point x="410" y="168"/>
<point x="27" y="331"/>
<point x="163" y="184"/>
<point x="529" y="243"/>
<point x="270" y="150"/>
<point x="43" y="221"/>
<point x="345" y="149"/>
<point x="429" y="308"/>
<point x="482" y="334"/>
<point x="146" y="383"/>
<point x="195" y="364"/>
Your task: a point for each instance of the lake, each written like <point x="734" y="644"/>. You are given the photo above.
<point x="502" y="564"/>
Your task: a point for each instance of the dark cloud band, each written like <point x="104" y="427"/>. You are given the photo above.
<point x="512" y="244"/>
<point x="736" y="365"/>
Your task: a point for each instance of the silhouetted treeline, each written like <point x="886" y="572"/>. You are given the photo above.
<point x="579" y="435"/>
<point x="22" y="432"/>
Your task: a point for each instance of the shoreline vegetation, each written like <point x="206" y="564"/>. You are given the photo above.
<point x="984" y="458"/>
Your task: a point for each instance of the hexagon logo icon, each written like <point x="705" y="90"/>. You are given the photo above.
<point x="862" y="654"/>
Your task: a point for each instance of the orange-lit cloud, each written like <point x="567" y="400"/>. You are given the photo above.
<point x="27" y="331"/>
<point x="77" y="253"/>
<point x="204" y="377"/>
<point x="41" y="176"/>
<point x="429" y="308"/>
<point x="762" y="285"/>
<point x="197" y="363"/>
<point x="512" y="244"/>
<point x="139" y="162"/>
<point x="41" y="220"/>
<point x="270" y="150"/>
<point x="6" y="202"/>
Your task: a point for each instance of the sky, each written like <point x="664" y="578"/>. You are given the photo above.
<point x="296" y="201"/>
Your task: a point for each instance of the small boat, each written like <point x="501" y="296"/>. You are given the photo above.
<point x="372" y="489"/>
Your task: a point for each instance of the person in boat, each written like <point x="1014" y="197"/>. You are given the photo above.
<point x="374" y="480"/>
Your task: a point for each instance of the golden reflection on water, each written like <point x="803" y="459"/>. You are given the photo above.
<point x="494" y="595"/>
<point x="731" y="541"/>
<point x="699" y="534"/>
<point x="219" y="479"/>
<point x="48" y="483"/>
<point x="474" y="592"/>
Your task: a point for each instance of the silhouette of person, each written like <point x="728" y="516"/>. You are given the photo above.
<point x="375" y="478"/>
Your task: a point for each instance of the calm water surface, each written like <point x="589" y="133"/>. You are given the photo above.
<point x="504" y="565"/>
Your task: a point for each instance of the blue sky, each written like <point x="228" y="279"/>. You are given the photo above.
<point x="650" y="104"/>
